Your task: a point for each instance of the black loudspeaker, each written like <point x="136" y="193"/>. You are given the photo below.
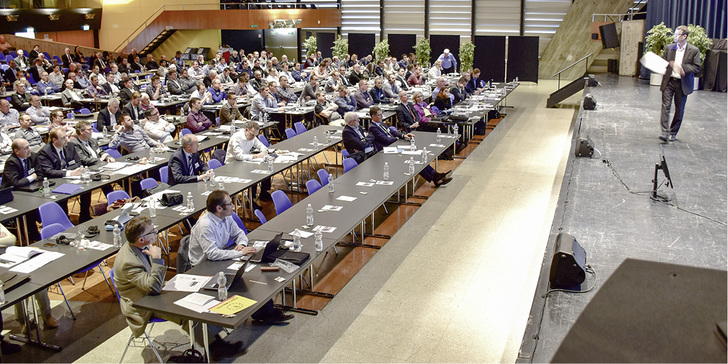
<point x="609" y="35"/>
<point x="584" y="147"/>
<point x="568" y="265"/>
<point x="593" y="81"/>
<point x="590" y="103"/>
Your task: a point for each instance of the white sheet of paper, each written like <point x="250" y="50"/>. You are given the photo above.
<point x="654" y="63"/>
<point x="186" y="283"/>
<point x="390" y="150"/>
<point x="332" y="208"/>
<point x="304" y="234"/>
<point x="197" y="302"/>
<point x="36" y="262"/>
<point x="365" y="184"/>
<point x="346" y="198"/>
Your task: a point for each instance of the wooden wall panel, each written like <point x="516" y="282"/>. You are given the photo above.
<point x="234" y="20"/>
<point x="53" y="48"/>
<point x="633" y="32"/>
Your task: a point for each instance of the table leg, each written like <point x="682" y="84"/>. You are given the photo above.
<point x="27" y="339"/>
<point x="206" y="341"/>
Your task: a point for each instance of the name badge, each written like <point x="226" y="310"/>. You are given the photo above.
<point x="70" y="163"/>
<point x="31" y="171"/>
<point x="197" y="165"/>
<point x="368" y="150"/>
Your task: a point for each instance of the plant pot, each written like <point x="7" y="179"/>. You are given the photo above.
<point x="655" y="79"/>
<point x="696" y="84"/>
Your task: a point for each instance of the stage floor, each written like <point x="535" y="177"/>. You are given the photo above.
<point x="605" y="201"/>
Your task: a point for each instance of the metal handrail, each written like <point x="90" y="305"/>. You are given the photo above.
<point x="133" y="34"/>
<point x="572" y="65"/>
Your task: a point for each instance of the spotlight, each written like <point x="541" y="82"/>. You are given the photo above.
<point x="54" y="17"/>
<point x="11" y="18"/>
<point x="85" y="27"/>
<point x="89" y="16"/>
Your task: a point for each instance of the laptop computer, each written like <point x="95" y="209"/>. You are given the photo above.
<point x="267" y="251"/>
<point x="35" y="186"/>
<point x="125" y="213"/>
<point x="230" y="279"/>
<point x="6" y="195"/>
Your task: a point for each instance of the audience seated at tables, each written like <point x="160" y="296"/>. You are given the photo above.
<point x="156" y="90"/>
<point x="309" y="90"/>
<point x="127" y="91"/>
<point x="325" y="112"/>
<point x="21" y="97"/>
<point x="284" y="92"/>
<point x="244" y="145"/>
<point x="378" y="94"/>
<point x="69" y="97"/>
<point x="110" y="85"/>
<point x="57" y="78"/>
<point x="87" y="147"/>
<point x="27" y="132"/>
<point x="59" y="159"/>
<point x="229" y="111"/>
<point x="201" y="94"/>
<point x="8" y="116"/>
<point x="45" y="86"/>
<point x="391" y="89"/>
<point x="109" y="116"/>
<point x="185" y="165"/>
<point x="263" y="102"/>
<point x="156" y="127"/>
<point x="131" y="137"/>
<point x="197" y="121"/>
<point x="134" y="107"/>
<point x="216" y="92"/>
<point x="345" y="101"/>
<point x="95" y="90"/>
<point x="39" y="114"/>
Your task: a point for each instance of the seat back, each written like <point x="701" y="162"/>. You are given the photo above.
<point x="51" y="213"/>
<point x="260" y="216"/>
<point x="113" y="282"/>
<point x="240" y="223"/>
<point x="312" y="186"/>
<point x="281" y="201"/>
<point x="323" y="176"/>
<point x="344" y="154"/>
<point x="183" y="255"/>
<point x="219" y="155"/>
<point x="84" y="110"/>
<point x="300" y="128"/>
<point x="290" y="133"/>
<point x="148" y="183"/>
<point x="264" y="140"/>
<point x="185" y="131"/>
<point x="164" y="174"/>
<point x="349" y="164"/>
<point x="214" y="163"/>
<point x="116" y="195"/>
<point x="50" y="230"/>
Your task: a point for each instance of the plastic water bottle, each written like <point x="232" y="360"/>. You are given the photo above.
<point x="297" y="241"/>
<point x="117" y="235"/>
<point x="212" y="178"/>
<point x="2" y="293"/>
<point x="412" y="165"/>
<point x="331" y="184"/>
<point x="105" y="131"/>
<point x="318" y="240"/>
<point x="412" y="143"/>
<point x="386" y="171"/>
<point x="270" y="164"/>
<point x="190" y="202"/>
<point x="221" y="186"/>
<point x="46" y="187"/>
<point x="424" y="155"/>
<point x="315" y="142"/>
<point x="221" y="286"/>
<point x="439" y="135"/>
<point x="309" y="215"/>
<point x="152" y="208"/>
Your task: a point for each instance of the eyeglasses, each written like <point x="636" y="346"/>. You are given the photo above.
<point x="155" y="232"/>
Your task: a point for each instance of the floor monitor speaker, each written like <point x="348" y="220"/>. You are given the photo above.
<point x="584" y="147"/>
<point x="568" y="265"/>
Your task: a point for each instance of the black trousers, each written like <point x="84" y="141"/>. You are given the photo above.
<point x="673" y="93"/>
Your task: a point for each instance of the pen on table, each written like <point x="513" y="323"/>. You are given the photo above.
<point x="259" y="282"/>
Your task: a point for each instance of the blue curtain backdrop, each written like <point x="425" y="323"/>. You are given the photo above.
<point x="709" y="14"/>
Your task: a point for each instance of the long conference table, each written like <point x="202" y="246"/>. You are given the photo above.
<point x="261" y="286"/>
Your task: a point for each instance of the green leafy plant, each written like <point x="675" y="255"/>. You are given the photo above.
<point x="698" y="38"/>
<point x="467" y="55"/>
<point x="422" y="52"/>
<point x="658" y="38"/>
<point x="381" y="50"/>
<point x="341" y="47"/>
<point x="311" y="44"/>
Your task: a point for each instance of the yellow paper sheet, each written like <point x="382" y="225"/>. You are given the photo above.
<point x="232" y="305"/>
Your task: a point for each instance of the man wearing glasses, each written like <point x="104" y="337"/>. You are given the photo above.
<point x="156" y="127"/>
<point x="209" y="240"/>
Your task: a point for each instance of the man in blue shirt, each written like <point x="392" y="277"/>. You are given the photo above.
<point x="449" y="64"/>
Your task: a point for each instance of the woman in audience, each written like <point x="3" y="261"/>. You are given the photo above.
<point x="421" y="107"/>
<point x="442" y="100"/>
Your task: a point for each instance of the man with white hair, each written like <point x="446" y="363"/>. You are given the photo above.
<point x="449" y="63"/>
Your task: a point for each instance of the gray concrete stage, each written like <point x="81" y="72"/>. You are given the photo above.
<point x="604" y="201"/>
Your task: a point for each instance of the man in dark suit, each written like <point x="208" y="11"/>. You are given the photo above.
<point x="173" y="84"/>
<point x="359" y="145"/>
<point x="59" y="159"/>
<point x="127" y="90"/>
<point x="677" y="83"/>
<point x="185" y="165"/>
<point x="134" y="107"/>
<point x="109" y="117"/>
<point x="20" y="168"/>
<point x="460" y="92"/>
<point x="408" y="118"/>
<point x="383" y="137"/>
<point x="67" y="58"/>
<point x="89" y="152"/>
<point x="21" y="98"/>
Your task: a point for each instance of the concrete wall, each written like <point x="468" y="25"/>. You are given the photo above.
<point x="181" y="39"/>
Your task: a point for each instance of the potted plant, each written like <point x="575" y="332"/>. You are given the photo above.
<point x="467" y="54"/>
<point x="422" y="52"/>
<point x="698" y="38"/>
<point x="310" y="44"/>
<point x="381" y="50"/>
<point x="341" y="47"/>
<point x="657" y="39"/>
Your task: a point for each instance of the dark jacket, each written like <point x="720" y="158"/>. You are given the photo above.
<point x="383" y="136"/>
<point x="86" y="158"/>
<point x="14" y="173"/>
<point x="49" y="162"/>
<point x="104" y="119"/>
<point x="691" y="65"/>
<point x="407" y="116"/>
<point x="353" y="142"/>
<point x="179" y="171"/>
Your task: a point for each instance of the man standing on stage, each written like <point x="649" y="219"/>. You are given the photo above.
<point x="683" y="63"/>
